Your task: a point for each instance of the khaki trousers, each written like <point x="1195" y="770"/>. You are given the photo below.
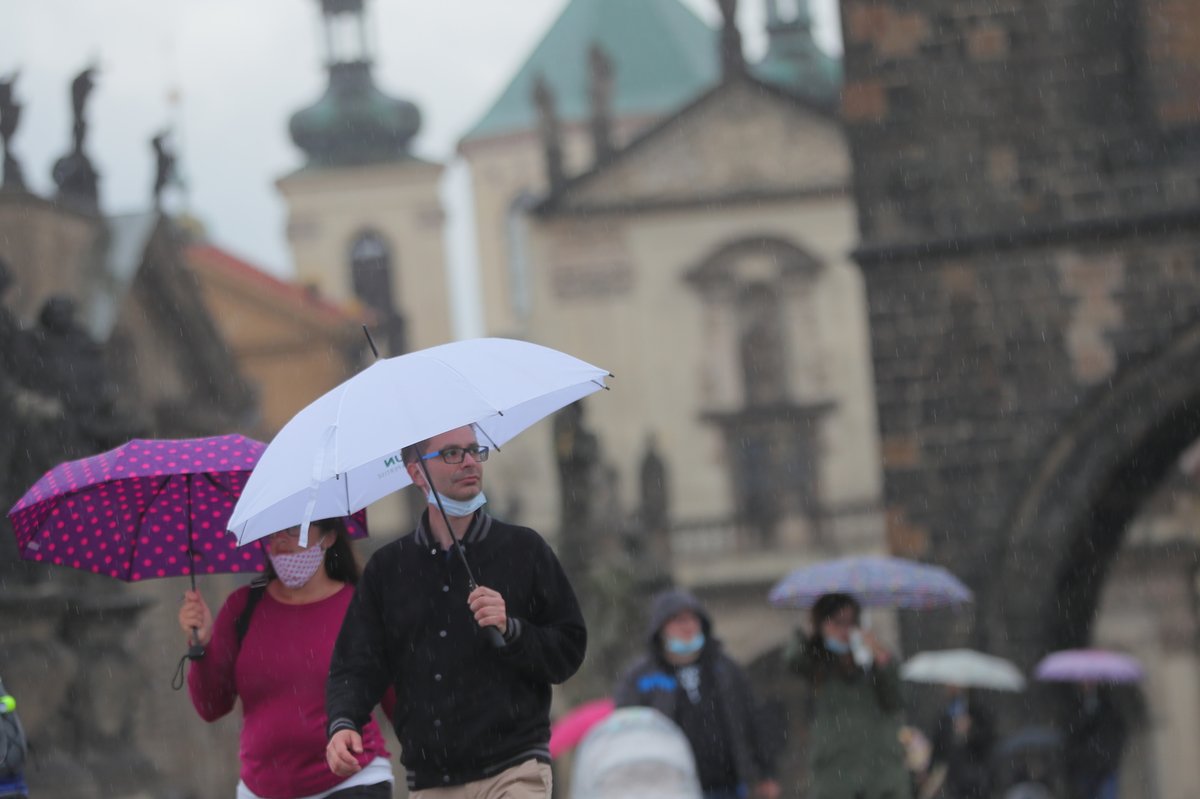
<point x="529" y="780"/>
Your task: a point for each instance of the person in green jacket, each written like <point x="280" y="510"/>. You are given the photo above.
<point x="854" y="736"/>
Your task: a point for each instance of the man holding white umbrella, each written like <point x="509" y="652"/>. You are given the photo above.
<point x="472" y="711"/>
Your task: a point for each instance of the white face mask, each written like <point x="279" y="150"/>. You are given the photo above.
<point x="458" y="507"/>
<point x="297" y="568"/>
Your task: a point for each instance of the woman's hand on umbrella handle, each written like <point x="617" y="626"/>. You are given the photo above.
<point x="340" y="753"/>
<point x="196" y="619"/>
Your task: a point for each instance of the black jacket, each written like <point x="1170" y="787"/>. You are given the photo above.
<point x="464" y="710"/>
<point x="650" y="681"/>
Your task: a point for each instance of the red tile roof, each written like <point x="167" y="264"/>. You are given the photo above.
<point x="301" y="297"/>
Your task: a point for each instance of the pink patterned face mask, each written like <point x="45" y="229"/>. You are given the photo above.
<point x="297" y="568"/>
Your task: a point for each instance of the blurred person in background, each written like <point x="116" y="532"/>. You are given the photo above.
<point x="855" y="750"/>
<point x="963" y="739"/>
<point x="270" y="646"/>
<point x="1095" y="740"/>
<point x="685" y="675"/>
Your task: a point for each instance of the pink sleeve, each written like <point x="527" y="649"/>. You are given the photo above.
<point x="211" y="680"/>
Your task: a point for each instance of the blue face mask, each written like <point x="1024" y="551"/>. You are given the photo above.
<point x="837" y="647"/>
<point x="682" y="646"/>
<point x="457" y="507"/>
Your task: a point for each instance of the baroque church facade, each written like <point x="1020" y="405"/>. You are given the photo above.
<point x="685" y="222"/>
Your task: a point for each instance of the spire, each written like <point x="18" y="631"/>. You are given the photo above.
<point x="793" y="59"/>
<point x="353" y="122"/>
<point x="600" y="85"/>
<point x="551" y="132"/>
<point x="733" y="61"/>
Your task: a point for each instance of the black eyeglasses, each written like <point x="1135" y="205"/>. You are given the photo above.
<point x="455" y="455"/>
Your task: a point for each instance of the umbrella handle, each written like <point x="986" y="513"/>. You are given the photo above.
<point x="195" y="652"/>
<point x="494" y="637"/>
<point x="195" y="648"/>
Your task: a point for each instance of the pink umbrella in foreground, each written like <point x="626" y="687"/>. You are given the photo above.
<point x="1089" y="665"/>
<point x="568" y="731"/>
<point x="148" y="509"/>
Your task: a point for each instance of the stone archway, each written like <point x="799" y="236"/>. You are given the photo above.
<point x="1053" y="557"/>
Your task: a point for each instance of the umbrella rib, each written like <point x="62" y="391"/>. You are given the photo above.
<point x="492" y="443"/>
<point x="133" y="545"/>
<point x="213" y="482"/>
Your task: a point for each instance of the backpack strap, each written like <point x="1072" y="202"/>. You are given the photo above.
<point x="257" y="589"/>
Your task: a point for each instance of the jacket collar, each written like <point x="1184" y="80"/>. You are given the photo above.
<point x="481" y="523"/>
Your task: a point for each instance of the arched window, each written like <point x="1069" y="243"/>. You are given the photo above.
<point x="757" y="286"/>
<point x="371" y="280"/>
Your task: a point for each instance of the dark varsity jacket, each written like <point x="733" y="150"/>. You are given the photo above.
<point x="465" y="710"/>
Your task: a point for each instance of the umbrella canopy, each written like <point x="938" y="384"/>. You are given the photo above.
<point x="570" y="729"/>
<point x="147" y="509"/>
<point x="342" y="452"/>
<point x="636" y="753"/>
<point x="964" y="667"/>
<point x="1089" y="665"/>
<point x="881" y="582"/>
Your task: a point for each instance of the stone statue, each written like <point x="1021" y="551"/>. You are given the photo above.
<point x="655" y="494"/>
<point x="73" y="369"/>
<point x="652" y="542"/>
<point x="733" y="62"/>
<point x="600" y="89"/>
<point x="10" y="117"/>
<point x="164" y="166"/>
<point x="81" y="89"/>
<point x="550" y="130"/>
<point x="74" y="174"/>
<point x="578" y="454"/>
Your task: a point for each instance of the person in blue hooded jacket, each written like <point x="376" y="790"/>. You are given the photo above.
<point x="686" y="675"/>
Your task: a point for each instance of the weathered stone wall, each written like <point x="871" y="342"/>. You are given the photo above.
<point x="1028" y="204"/>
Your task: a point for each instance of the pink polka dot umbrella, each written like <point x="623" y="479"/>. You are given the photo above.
<point x="150" y="508"/>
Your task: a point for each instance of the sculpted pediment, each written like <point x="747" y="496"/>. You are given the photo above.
<point x="741" y="141"/>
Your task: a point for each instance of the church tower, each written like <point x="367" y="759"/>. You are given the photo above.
<point x="364" y="214"/>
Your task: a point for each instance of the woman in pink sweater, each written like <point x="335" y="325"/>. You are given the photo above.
<point x="279" y="667"/>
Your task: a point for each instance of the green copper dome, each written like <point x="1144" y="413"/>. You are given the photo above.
<point x="354" y="122"/>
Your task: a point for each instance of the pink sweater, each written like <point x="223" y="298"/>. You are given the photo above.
<point x="279" y="674"/>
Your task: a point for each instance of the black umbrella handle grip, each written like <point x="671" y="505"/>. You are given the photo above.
<point x="195" y="648"/>
<point x="494" y="637"/>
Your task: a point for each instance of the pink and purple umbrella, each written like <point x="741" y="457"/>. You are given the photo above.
<point x="874" y="581"/>
<point x="150" y="508"/>
<point x="1089" y="665"/>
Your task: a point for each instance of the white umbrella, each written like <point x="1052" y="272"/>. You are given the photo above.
<point x="964" y="667"/>
<point x="342" y="452"/>
<point x="635" y="753"/>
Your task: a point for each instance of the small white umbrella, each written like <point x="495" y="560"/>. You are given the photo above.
<point x="964" y="667"/>
<point x="342" y="452"/>
<point x="635" y="753"/>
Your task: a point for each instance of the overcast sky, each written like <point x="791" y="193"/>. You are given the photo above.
<point x="240" y="68"/>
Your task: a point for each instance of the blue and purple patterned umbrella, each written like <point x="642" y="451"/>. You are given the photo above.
<point x="875" y="581"/>
<point x="150" y="508"/>
<point x="1089" y="665"/>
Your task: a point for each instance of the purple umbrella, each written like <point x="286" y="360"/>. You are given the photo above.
<point x="880" y="582"/>
<point x="147" y="509"/>
<point x="1089" y="665"/>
